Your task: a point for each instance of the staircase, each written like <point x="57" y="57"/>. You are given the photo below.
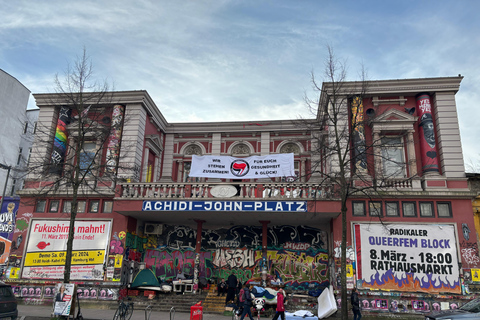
<point x="182" y="302"/>
<point x="214" y="303"/>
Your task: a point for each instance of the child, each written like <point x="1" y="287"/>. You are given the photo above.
<point x="280" y="305"/>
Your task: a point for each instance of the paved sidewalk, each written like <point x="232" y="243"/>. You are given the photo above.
<point x="31" y="312"/>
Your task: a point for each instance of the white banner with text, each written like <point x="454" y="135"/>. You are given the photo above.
<point x="255" y="167"/>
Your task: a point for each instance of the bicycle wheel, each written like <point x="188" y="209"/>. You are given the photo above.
<point x="128" y="311"/>
<point x="116" y="316"/>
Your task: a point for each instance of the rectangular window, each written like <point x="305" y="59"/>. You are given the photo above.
<point x="81" y="205"/>
<point x="40" y="206"/>
<point x="391" y="209"/>
<point x="107" y="206"/>
<point x="94" y="204"/>
<point x="87" y="157"/>
<point x="67" y="206"/>
<point x="375" y="208"/>
<point x="35" y="127"/>
<point x="393" y="161"/>
<point x="409" y="209"/>
<point x="53" y="206"/>
<point x="358" y="208"/>
<point x="19" y="159"/>
<point x="25" y="127"/>
<point x="29" y="156"/>
<point x="444" y="209"/>
<point x="426" y="209"/>
<point x="12" y="192"/>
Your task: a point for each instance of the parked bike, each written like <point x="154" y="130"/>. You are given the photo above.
<point x="124" y="311"/>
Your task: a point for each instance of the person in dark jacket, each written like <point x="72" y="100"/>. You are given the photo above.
<point x="247" y="302"/>
<point x="357" y="315"/>
<point x="232" y="287"/>
<point x="221" y="288"/>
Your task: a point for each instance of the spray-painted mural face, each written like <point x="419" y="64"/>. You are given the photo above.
<point x="427" y="134"/>
<point x="296" y="255"/>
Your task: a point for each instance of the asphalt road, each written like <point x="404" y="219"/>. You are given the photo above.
<point x="31" y="312"/>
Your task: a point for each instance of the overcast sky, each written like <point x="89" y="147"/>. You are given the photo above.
<point x="244" y="60"/>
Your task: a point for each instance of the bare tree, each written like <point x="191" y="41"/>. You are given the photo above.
<point x="472" y="165"/>
<point x="342" y="153"/>
<point x="84" y="157"/>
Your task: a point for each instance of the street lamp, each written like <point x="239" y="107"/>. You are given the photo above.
<point x="2" y="166"/>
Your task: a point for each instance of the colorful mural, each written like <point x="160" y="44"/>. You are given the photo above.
<point x="7" y="226"/>
<point x="359" y="135"/>
<point x="428" y="143"/>
<point x="297" y="255"/>
<point x="113" y="148"/>
<point x="60" y="141"/>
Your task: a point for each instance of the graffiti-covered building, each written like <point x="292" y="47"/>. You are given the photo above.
<point x="159" y="213"/>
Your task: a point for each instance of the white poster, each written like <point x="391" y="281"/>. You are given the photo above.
<point x="63" y="299"/>
<point x="47" y="244"/>
<point x="407" y="257"/>
<point x="255" y="167"/>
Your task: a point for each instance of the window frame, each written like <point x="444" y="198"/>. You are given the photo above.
<point x="420" y="203"/>
<point x="51" y="206"/>
<point x="110" y="210"/>
<point x="370" y="203"/>
<point x="397" y="207"/>
<point x="91" y="204"/>
<point x="414" y="203"/>
<point x="65" y="202"/>
<point x="449" y="209"/>
<point x="364" y="208"/>
<point x="401" y="147"/>
<point x="37" y="204"/>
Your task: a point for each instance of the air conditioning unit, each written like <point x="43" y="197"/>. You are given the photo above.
<point x="153" y="228"/>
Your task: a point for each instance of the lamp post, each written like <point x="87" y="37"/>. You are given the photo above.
<point x="6" y="181"/>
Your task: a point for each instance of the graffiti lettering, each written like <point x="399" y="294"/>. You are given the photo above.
<point x="227" y="244"/>
<point x="234" y="258"/>
<point x="296" y="246"/>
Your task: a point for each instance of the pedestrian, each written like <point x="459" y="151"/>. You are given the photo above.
<point x="221" y="288"/>
<point x="247" y="302"/>
<point x="232" y="287"/>
<point x="280" y="304"/>
<point x="357" y="315"/>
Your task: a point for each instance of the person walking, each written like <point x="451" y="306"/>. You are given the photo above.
<point x="232" y="287"/>
<point x="357" y="315"/>
<point x="280" y="304"/>
<point x="247" y="302"/>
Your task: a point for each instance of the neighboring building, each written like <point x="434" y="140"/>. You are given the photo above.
<point x="159" y="216"/>
<point x="16" y="132"/>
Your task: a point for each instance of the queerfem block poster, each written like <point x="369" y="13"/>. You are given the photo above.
<point x="407" y="257"/>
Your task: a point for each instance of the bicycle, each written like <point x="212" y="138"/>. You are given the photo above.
<point x="124" y="310"/>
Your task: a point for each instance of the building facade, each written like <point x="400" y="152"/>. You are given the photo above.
<point x="408" y="241"/>
<point x="17" y="126"/>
